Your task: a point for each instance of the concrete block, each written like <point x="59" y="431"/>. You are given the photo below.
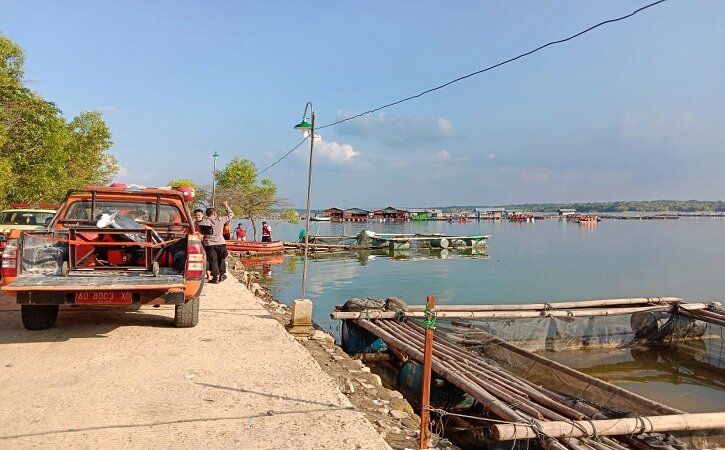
<point x="301" y="321"/>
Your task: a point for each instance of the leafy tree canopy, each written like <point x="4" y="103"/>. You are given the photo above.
<point x="42" y="155"/>
<point x="249" y="199"/>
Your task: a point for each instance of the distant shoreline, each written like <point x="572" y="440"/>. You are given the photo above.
<point x="678" y="206"/>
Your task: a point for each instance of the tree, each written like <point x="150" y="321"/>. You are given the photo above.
<point x="237" y="182"/>
<point x="41" y="154"/>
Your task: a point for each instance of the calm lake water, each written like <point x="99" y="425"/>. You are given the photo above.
<point x="547" y="260"/>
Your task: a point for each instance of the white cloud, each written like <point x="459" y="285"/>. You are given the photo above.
<point x="332" y="152"/>
<point x="491" y="156"/>
<point x="122" y="171"/>
<point x="335" y="152"/>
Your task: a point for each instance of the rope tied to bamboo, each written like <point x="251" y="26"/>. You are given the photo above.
<point x="600" y="406"/>
<point x="430" y="318"/>
<point x="642" y="426"/>
<point x="593" y="435"/>
<point x="536" y="426"/>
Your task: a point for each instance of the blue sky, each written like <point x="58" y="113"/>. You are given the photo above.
<point x="633" y="110"/>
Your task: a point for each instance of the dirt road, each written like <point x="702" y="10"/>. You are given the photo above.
<point x="129" y="379"/>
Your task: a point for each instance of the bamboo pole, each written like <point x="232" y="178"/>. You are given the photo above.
<point x="706" y="316"/>
<point x="503" y="379"/>
<point x="612" y="427"/>
<point x="554" y="305"/>
<point x="501" y="391"/>
<point x="603" y="385"/>
<point x="513" y="314"/>
<point x="493" y="404"/>
<point x="427" y="363"/>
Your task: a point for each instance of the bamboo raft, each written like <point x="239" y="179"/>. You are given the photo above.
<point x="528" y="406"/>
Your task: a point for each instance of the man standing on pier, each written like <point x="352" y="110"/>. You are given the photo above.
<point x="214" y="243"/>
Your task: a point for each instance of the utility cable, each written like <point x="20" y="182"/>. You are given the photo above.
<point x="478" y="72"/>
<point x="493" y="66"/>
<point x="285" y="155"/>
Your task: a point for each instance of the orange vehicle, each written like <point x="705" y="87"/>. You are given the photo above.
<point x="116" y="246"/>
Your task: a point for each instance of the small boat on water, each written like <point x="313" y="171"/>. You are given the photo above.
<point x="517" y="217"/>
<point x="586" y="219"/>
<point x="320" y="218"/>
<point x="254" y="246"/>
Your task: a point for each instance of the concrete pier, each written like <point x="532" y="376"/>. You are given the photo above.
<point x="107" y="378"/>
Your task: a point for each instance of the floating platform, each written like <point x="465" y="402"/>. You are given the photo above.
<point x="523" y="395"/>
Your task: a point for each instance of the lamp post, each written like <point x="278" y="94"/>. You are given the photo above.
<point x="213" y="180"/>
<point x="307" y="127"/>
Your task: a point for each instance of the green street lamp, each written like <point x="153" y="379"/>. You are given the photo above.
<point x="308" y="130"/>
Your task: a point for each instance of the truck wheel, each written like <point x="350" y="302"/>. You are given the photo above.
<point x="38" y="317"/>
<point x="187" y="315"/>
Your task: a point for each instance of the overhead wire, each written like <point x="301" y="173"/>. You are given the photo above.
<point x="478" y="72"/>
<point x="283" y="156"/>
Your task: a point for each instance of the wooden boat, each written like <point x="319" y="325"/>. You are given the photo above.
<point x="521" y="217"/>
<point x="587" y="219"/>
<point x="255" y="246"/>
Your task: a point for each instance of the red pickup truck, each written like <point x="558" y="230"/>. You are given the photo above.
<point x="108" y="246"/>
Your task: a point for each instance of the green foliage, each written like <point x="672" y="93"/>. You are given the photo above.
<point x="237" y="183"/>
<point x="291" y="215"/>
<point x="239" y="174"/>
<point x="42" y="154"/>
<point x="11" y="63"/>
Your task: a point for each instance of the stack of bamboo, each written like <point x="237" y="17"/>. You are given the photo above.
<point x="510" y="398"/>
<point x="712" y="314"/>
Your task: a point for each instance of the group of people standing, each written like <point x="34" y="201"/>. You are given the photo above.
<point x="240" y="233"/>
<point x="216" y="230"/>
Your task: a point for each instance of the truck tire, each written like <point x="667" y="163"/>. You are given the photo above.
<point x="38" y="317"/>
<point x="187" y="315"/>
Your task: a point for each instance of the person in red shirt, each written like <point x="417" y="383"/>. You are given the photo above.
<point x="266" y="232"/>
<point x="241" y="233"/>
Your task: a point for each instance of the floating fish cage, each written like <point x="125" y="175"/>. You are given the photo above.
<point x="496" y="387"/>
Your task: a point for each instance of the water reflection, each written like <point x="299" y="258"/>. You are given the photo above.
<point x="364" y="257"/>
<point x="666" y="364"/>
<point x="262" y="265"/>
<point x="681" y="375"/>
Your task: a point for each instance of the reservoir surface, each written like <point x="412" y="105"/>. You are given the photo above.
<point x="544" y="261"/>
